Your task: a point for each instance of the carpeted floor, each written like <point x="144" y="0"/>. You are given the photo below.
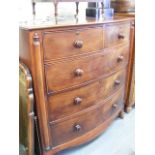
<point x="118" y="139"/>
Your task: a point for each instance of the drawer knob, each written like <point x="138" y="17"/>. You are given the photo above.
<point x="78" y="44"/>
<point x="114" y="105"/>
<point x="77" y="100"/>
<point x="120" y="36"/>
<point x="117" y="82"/>
<point x="120" y="58"/>
<point x="77" y="127"/>
<point x="79" y="72"/>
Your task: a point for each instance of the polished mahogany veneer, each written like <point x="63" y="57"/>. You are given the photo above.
<point x="86" y="120"/>
<point x="67" y="43"/>
<point x="70" y="102"/>
<point x="85" y="69"/>
<point x="117" y="34"/>
<point x="79" y="76"/>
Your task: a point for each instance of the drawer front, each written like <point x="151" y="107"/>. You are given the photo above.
<point x="70" y="102"/>
<point x="117" y="34"/>
<point x="72" y="42"/>
<point x="62" y="75"/>
<point x="79" y="125"/>
<point x="75" y="127"/>
<point x="114" y="103"/>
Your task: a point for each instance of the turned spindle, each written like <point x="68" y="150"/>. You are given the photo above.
<point x="56" y="9"/>
<point x="77" y="8"/>
<point x="34" y="8"/>
<point x="102" y="7"/>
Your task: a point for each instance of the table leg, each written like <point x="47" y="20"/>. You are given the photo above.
<point x="102" y="5"/>
<point x="56" y="8"/>
<point x="77" y="8"/>
<point x="34" y="8"/>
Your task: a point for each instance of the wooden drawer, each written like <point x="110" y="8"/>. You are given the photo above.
<point x="70" y="102"/>
<point x="62" y="75"/>
<point x="117" y="34"/>
<point x="68" y="43"/>
<point x="114" y="103"/>
<point x="77" y="126"/>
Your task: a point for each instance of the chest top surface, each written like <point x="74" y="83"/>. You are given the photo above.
<point x="65" y="21"/>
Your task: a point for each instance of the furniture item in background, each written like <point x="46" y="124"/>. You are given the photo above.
<point x="55" y="2"/>
<point x="108" y="11"/>
<point x="26" y="113"/>
<point x="130" y="97"/>
<point x="130" y="89"/>
<point x="78" y="70"/>
<point x="123" y="6"/>
<point x="95" y="10"/>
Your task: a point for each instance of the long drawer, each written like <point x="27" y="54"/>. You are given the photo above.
<point x="64" y="74"/>
<point x="70" y="102"/>
<point x="117" y="34"/>
<point x="60" y="44"/>
<point x="77" y="126"/>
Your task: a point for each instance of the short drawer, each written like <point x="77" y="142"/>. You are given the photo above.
<point x="61" y="44"/>
<point x="117" y="34"/>
<point x="70" y="102"/>
<point x="62" y="75"/>
<point x="113" y="104"/>
<point x="75" y="127"/>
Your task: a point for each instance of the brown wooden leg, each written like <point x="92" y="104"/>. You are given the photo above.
<point x="121" y="114"/>
<point x="34" y="8"/>
<point x="56" y="9"/>
<point x="77" y="8"/>
<point x="128" y="109"/>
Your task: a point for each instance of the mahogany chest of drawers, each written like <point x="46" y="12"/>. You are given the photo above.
<point x="79" y="76"/>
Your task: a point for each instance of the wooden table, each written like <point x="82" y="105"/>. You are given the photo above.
<point x="55" y="2"/>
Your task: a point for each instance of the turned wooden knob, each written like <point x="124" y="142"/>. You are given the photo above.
<point x="77" y="100"/>
<point x="114" y="105"/>
<point x="79" y="72"/>
<point x="117" y="82"/>
<point x="77" y="127"/>
<point x="120" y="58"/>
<point x="120" y="36"/>
<point x="78" y="44"/>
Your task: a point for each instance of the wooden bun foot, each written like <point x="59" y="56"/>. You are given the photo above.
<point x="128" y="109"/>
<point x="121" y="114"/>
